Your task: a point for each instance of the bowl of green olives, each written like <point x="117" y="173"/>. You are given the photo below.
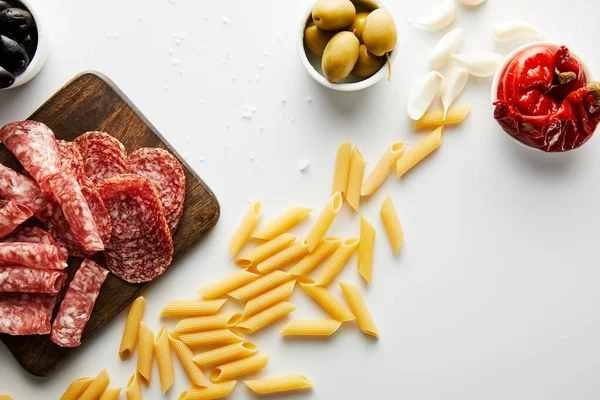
<point x="347" y="45"/>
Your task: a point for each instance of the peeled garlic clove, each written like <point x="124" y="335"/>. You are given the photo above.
<point x="472" y="2"/>
<point x="442" y="16"/>
<point x="423" y="93"/>
<point x="481" y="65"/>
<point x="453" y="84"/>
<point x="509" y="31"/>
<point x="448" y="45"/>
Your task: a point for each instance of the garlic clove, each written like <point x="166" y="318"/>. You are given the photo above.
<point x="423" y="93"/>
<point x="513" y="31"/>
<point x="448" y="45"/>
<point x="481" y="65"/>
<point x="472" y="2"/>
<point x="442" y="17"/>
<point x="452" y="86"/>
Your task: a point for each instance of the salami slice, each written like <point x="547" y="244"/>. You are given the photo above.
<point x="22" y="189"/>
<point x="98" y="209"/>
<point x="26" y="314"/>
<point x="100" y="144"/>
<point x="140" y="248"/>
<point x="98" y="168"/>
<point x="166" y="173"/>
<point x="11" y="216"/>
<point x="34" y="145"/>
<point x="18" y="279"/>
<point x="32" y="255"/>
<point x="78" y="304"/>
<point x="33" y="234"/>
<point x="70" y="158"/>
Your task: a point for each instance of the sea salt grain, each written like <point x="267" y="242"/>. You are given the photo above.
<point x="303" y="163"/>
<point x="225" y="20"/>
<point x="283" y="99"/>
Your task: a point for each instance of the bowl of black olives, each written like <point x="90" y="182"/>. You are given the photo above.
<point x="23" y="43"/>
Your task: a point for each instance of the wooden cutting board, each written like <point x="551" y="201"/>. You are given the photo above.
<point x="91" y="102"/>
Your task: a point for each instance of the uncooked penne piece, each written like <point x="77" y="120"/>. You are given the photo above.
<point x="366" y="249"/>
<point x="355" y="178"/>
<point x="312" y="260"/>
<point x="265" y="250"/>
<point x="421" y="150"/>
<point x="226" y="354"/>
<point x="392" y="224"/>
<point x="182" y="395"/>
<point x="245" y="228"/>
<point x="261" y="285"/>
<point x="132" y="328"/>
<point x="186" y="358"/>
<point x="227" y="284"/>
<point x="267" y="299"/>
<point x="111" y="394"/>
<point x="322" y="224"/>
<point x="284" y="257"/>
<point x="342" y="168"/>
<point x="382" y="168"/>
<point x="433" y="119"/>
<point x="76" y="388"/>
<point x="145" y="354"/>
<point x="359" y="308"/>
<point x="325" y="327"/>
<point x="329" y="303"/>
<point x="207" y="323"/>
<point x="189" y="308"/>
<point x="279" y="384"/>
<point x="162" y="349"/>
<point x="133" y="389"/>
<point x="214" y="391"/>
<point x="219" y="336"/>
<point x="241" y="367"/>
<point x="282" y="223"/>
<point x="337" y="261"/>
<point x="96" y="387"/>
<point x="265" y="317"/>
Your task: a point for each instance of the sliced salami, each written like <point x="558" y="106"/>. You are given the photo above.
<point x="78" y="304"/>
<point x="98" y="209"/>
<point x="11" y="216"/>
<point x="22" y="189"/>
<point x="33" y="234"/>
<point x="166" y="173"/>
<point x="18" y="279"/>
<point x="26" y="314"/>
<point x="70" y="158"/>
<point x="100" y="144"/>
<point x="32" y="255"/>
<point x="99" y="168"/>
<point x="140" y="248"/>
<point x="34" y="145"/>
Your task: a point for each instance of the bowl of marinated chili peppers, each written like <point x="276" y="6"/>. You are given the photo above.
<point x="544" y="98"/>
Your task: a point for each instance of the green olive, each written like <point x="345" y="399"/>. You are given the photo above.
<point x="333" y="15"/>
<point x="357" y="25"/>
<point x="367" y="63"/>
<point x="379" y="32"/>
<point x="316" y="39"/>
<point x="340" y="56"/>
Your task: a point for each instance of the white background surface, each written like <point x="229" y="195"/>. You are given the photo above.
<point x="495" y="292"/>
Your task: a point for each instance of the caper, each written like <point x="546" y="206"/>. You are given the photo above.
<point x="379" y="32"/>
<point x="340" y="56"/>
<point x="333" y="15"/>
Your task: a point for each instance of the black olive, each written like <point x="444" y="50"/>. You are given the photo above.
<point x="4" y="5"/>
<point x="14" y="20"/>
<point x="6" y="78"/>
<point x="30" y="44"/>
<point x="13" y="56"/>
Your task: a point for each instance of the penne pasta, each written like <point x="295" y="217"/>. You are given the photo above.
<point x="207" y="323"/>
<point x="219" y="336"/>
<point x="337" y="261"/>
<point x="227" y="284"/>
<point x="279" y="384"/>
<point x="359" y="308"/>
<point x="322" y="224"/>
<point x="76" y="389"/>
<point x="342" y="168"/>
<point x="189" y="308"/>
<point x="421" y="150"/>
<point x="355" y="178"/>
<point x="433" y="119"/>
<point x="132" y="328"/>
<point x="312" y="260"/>
<point x="392" y="224"/>
<point x="329" y="303"/>
<point x="245" y="228"/>
<point x="267" y="299"/>
<point x="241" y="367"/>
<point x="282" y="223"/>
<point x="261" y="285"/>
<point x="111" y="394"/>
<point x="96" y="387"/>
<point x="366" y="249"/>
<point x="145" y="354"/>
<point x="214" y="391"/>
<point x="226" y="354"/>
<point x="325" y="327"/>
<point x="382" y="168"/>
<point x="162" y="349"/>
<point x="284" y="257"/>
<point x="133" y="389"/>
<point x="265" y="317"/>
<point x="182" y="395"/>
<point x="186" y="358"/>
<point x="265" y="250"/>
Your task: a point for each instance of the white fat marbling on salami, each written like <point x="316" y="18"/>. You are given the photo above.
<point x="99" y="168"/>
<point x="34" y="255"/>
<point x="18" y="279"/>
<point x="100" y="144"/>
<point x="26" y="314"/>
<point x="22" y="189"/>
<point x="34" y="234"/>
<point x="70" y="158"/>
<point x="11" y="216"/>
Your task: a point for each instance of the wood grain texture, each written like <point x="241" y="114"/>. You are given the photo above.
<point x="90" y="102"/>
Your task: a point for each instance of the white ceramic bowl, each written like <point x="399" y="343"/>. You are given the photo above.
<point x="312" y="63"/>
<point x="41" y="53"/>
